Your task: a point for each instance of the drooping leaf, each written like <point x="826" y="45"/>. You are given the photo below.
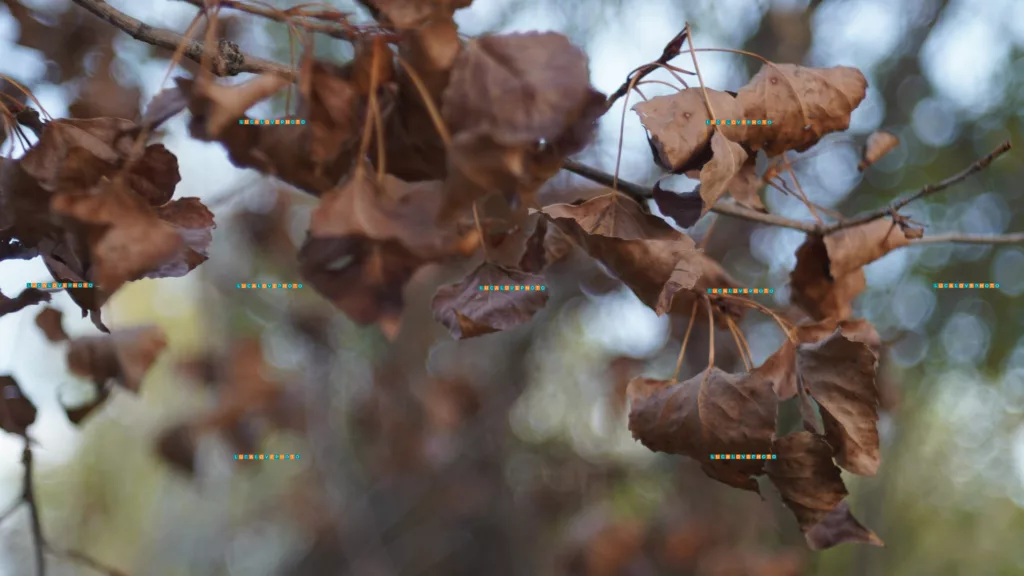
<point x="839" y="374"/>
<point x="707" y="414"/>
<point x="614" y="216"/>
<point x="78" y="413"/>
<point x="804" y="104"/>
<point x="678" y="130"/>
<point x="685" y="208"/>
<point x="333" y="109"/>
<point x="851" y="248"/>
<point x="17" y="412"/>
<point x="813" y="287"/>
<point x="727" y="159"/>
<point x="878" y="144"/>
<point x="124" y="355"/>
<point x="687" y="272"/>
<point x="744" y="187"/>
<point x="49" y="322"/>
<point x="194" y="223"/>
<point x="468" y="311"/>
<point x="812" y="487"/>
<point x="227" y="104"/>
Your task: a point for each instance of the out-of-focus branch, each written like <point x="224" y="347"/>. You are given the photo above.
<point x="928" y="190"/>
<point x="1017" y="238"/>
<point x="229" y="60"/>
<point x="331" y="23"/>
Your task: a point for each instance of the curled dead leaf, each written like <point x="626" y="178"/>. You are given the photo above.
<point x="677" y="126"/>
<point x="812" y="487"/>
<point x="804" y="104"/>
<point x="878" y="144"/>
<point x="852" y="248"/>
<point x="124" y="355"/>
<point x="813" y="287"/>
<point x="727" y="160"/>
<point x="467" y="310"/>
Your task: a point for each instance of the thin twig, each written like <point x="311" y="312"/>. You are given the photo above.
<point x="711" y="339"/>
<point x="741" y="343"/>
<point x="228" y="61"/>
<point x="686" y="338"/>
<point x="928" y="190"/>
<point x="318" y="23"/>
<point x="670" y="51"/>
<point x="696" y="68"/>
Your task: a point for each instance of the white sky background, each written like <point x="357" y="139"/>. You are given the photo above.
<point x="963" y="59"/>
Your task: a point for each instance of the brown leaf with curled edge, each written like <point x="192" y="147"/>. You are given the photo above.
<point x="333" y="109"/>
<point x="167" y="104"/>
<point x="274" y="150"/>
<point x="467" y="311"/>
<point x="615" y="216"/>
<point x="49" y="321"/>
<point x="685" y="276"/>
<point x="155" y="175"/>
<point x="17" y="412"/>
<point x="744" y="187"/>
<point x="727" y="159"/>
<point x="852" y="248"/>
<point x="516" y="105"/>
<point x="813" y="287"/>
<point x="804" y="104"/>
<point x="878" y="144"/>
<point x="839" y="374"/>
<point x="177" y="446"/>
<point x="399" y="211"/>
<point x="227" y="104"/>
<point x="711" y="413"/>
<point x="194" y="223"/>
<point x="812" y="487"/>
<point x="677" y="126"/>
<point x="124" y="355"/>
<point x="27" y="297"/>
<point x="685" y="208"/>
<point x="125" y="237"/>
<point x="75" y="154"/>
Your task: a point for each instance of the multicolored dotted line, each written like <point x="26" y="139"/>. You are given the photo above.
<point x="740" y="122"/>
<point x="59" y="285"/>
<point x="744" y="457"/>
<point x="266" y="122"/>
<point x="266" y="456"/>
<point x="261" y="286"/>
<point x="741" y="290"/>
<point x="513" y="288"/>
<point x="964" y="285"/>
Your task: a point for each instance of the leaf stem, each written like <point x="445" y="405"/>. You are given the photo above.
<point x="700" y="78"/>
<point x="786" y="327"/>
<point x="686" y="338"/>
<point x="741" y="343"/>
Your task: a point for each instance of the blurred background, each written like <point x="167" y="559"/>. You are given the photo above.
<point x="509" y="454"/>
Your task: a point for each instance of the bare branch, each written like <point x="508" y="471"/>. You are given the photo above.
<point x="332" y="24"/>
<point x="928" y="190"/>
<point x="228" y="61"/>
<point x="29" y="497"/>
<point x="641" y="194"/>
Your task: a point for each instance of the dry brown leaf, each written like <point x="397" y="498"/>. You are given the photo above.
<point x="815" y="290"/>
<point x="125" y="237"/>
<point x="409" y="14"/>
<point x="677" y="126"/>
<point x="154" y="176"/>
<point x="27" y="297"/>
<point x="615" y="216"/>
<point x="49" y="321"/>
<point x="707" y="414"/>
<point x="194" y="223"/>
<point x="227" y="104"/>
<point x="685" y="275"/>
<point x="124" y="355"/>
<point x="852" y="248"/>
<point x="727" y="159"/>
<point x="812" y="487"/>
<point x="467" y="310"/>
<point x="333" y="108"/>
<point x="878" y="144"/>
<point x="839" y="374"/>
<point x="17" y="412"/>
<point x="744" y="187"/>
<point x="803" y="104"/>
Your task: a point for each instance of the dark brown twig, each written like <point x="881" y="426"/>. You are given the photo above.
<point x="928" y="190"/>
<point x="670" y="51"/>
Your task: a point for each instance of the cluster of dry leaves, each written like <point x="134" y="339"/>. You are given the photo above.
<point x="427" y="148"/>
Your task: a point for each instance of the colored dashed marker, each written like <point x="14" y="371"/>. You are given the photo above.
<point x="744" y="457"/>
<point x="55" y="285"/>
<point x="743" y="122"/>
<point x="942" y="285"/>
<point x="261" y="122"/>
<point x="741" y="290"/>
<point x="513" y="288"/>
<point x="266" y="456"/>
<point x="265" y="286"/>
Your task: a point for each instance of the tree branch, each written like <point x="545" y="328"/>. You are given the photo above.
<point x="320" y="21"/>
<point x="228" y="61"/>
<point x="29" y="497"/>
<point x="928" y="190"/>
